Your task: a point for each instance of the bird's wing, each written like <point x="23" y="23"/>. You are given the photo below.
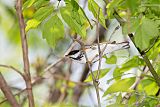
<point x="114" y="47"/>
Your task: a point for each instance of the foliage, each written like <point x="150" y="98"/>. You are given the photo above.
<point x="102" y="74"/>
<point x="56" y="21"/>
<point x="122" y="85"/>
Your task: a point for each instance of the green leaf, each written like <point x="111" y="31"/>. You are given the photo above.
<point x="152" y="88"/>
<point x="53" y="30"/>
<point x="35" y="3"/>
<point x="158" y="68"/>
<point x="149" y="101"/>
<point x="102" y="74"/>
<point x="131" y="26"/>
<point x="116" y="105"/>
<point x="33" y="23"/>
<point x="28" y="3"/>
<point x="153" y="53"/>
<point x="95" y="9"/>
<point x="38" y="17"/>
<point x="120" y="86"/>
<point x="86" y="17"/>
<point x="119" y="99"/>
<point x="132" y="99"/>
<point x="111" y="6"/>
<point x="145" y="32"/>
<point x="43" y="13"/>
<point x="134" y="62"/>
<point x="74" y="19"/>
<point x="117" y="74"/>
<point x="132" y="5"/>
<point x="41" y="3"/>
<point x="111" y="60"/>
<point x="149" y="86"/>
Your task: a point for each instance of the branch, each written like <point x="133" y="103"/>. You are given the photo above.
<point x="134" y="86"/>
<point x="143" y="54"/>
<point x="13" y="68"/>
<point x="25" y="52"/>
<point x="90" y="70"/>
<point x="7" y="92"/>
<point x="56" y="76"/>
<point x="100" y="57"/>
<point x="61" y="59"/>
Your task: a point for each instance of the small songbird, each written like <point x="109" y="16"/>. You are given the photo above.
<point x="93" y="53"/>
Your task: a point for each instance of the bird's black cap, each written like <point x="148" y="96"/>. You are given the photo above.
<point x="73" y="52"/>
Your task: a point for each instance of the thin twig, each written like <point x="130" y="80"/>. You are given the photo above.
<point x="25" y="52"/>
<point x="61" y="59"/>
<point x="99" y="50"/>
<point x="13" y="68"/>
<point x="90" y="69"/>
<point x="128" y="95"/>
<point x="53" y="64"/>
<point x="100" y="57"/>
<point x="57" y="76"/>
<point x="7" y="92"/>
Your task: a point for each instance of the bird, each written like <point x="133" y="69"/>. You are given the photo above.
<point x="92" y="51"/>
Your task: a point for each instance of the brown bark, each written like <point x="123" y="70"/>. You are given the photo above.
<point x="7" y="92"/>
<point x="25" y="52"/>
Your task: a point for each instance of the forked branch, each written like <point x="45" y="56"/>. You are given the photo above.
<point x="7" y="92"/>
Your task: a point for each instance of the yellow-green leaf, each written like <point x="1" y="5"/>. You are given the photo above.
<point x="95" y="9"/>
<point x="149" y="86"/>
<point x="72" y="15"/>
<point x="120" y="86"/>
<point x="33" y="23"/>
<point x="38" y="17"/>
<point x="111" y="60"/>
<point x="102" y="74"/>
<point x="43" y="12"/>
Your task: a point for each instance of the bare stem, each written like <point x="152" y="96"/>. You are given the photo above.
<point x="95" y="83"/>
<point x="100" y="57"/>
<point x="25" y="52"/>
<point x="7" y="92"/>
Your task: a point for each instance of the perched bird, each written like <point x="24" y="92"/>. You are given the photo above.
<point x="93" y="53"/>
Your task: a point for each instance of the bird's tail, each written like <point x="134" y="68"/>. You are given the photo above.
<point x="116" y="46"/>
